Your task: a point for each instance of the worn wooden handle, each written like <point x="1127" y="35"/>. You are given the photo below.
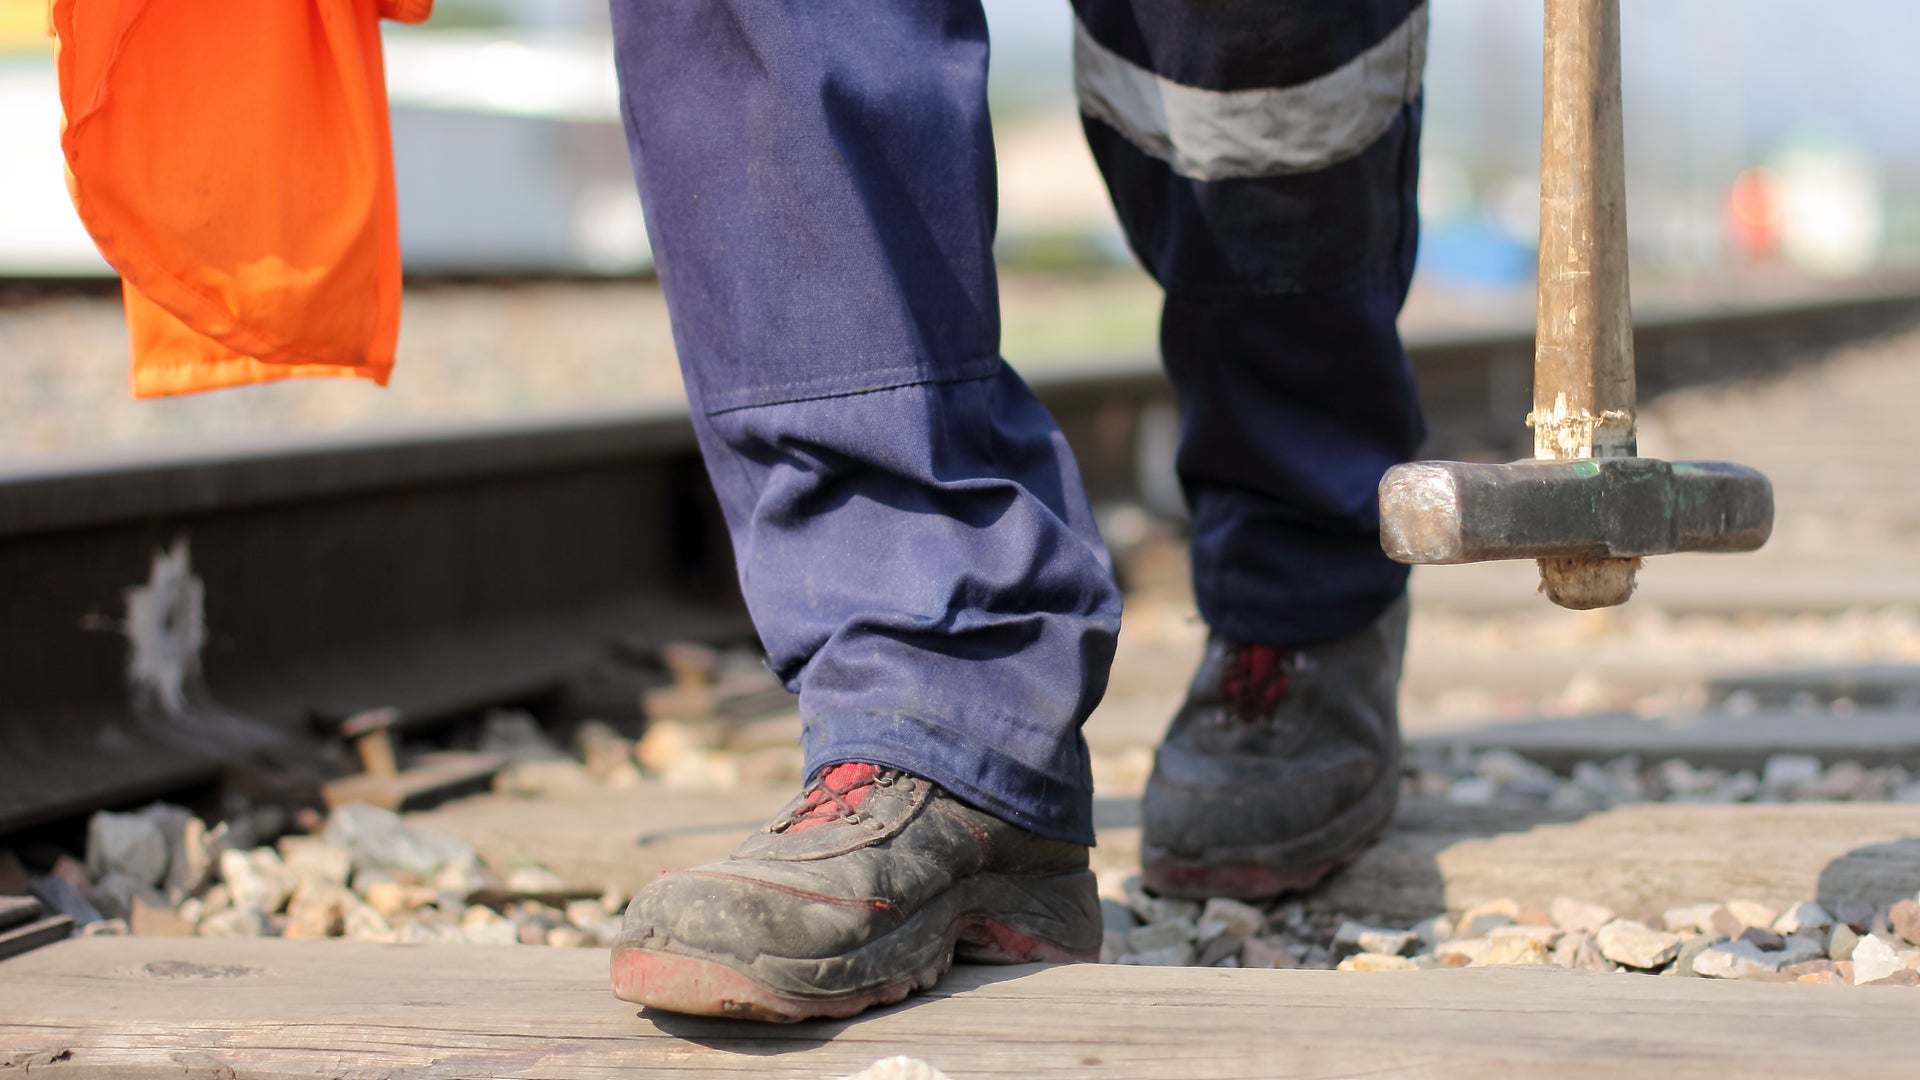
<point x="1583" y="393"/>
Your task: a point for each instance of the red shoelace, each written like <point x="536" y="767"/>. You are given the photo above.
<point x="838" y="794"/>
<point x="1256" y="680"/>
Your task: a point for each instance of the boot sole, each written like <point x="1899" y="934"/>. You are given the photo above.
<point x="1264" y="876"/>
<point x="953" y="925"/>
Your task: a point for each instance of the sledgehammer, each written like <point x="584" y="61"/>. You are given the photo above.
<point x="1587" y="508"/>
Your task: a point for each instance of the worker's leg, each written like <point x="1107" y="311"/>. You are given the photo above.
<point x="909" y="526"/>
<point x="1262" y="156"/>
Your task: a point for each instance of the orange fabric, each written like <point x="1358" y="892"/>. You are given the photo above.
<point x="233" y="163"/>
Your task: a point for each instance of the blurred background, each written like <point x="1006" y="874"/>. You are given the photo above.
<point x="1769" y="152"/>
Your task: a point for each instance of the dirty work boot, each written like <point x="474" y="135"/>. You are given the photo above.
<point x="1282" y="765"/>
<point x="861" y="891"/>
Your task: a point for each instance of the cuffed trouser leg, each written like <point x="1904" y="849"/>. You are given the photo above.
<point x="909" y="526"/>
<point x="1262" y="157"/>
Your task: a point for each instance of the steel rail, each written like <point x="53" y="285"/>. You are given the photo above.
<point x="441" y="567"/>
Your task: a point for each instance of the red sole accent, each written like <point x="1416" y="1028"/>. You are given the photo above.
<point x="687" y="984"/>
<point x="1193" y="879"/>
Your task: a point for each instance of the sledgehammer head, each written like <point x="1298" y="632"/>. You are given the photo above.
<point x="1616" y="509"/>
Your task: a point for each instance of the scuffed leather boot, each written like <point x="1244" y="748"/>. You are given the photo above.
<point x="1282" y="765"/>
<point x="861" y="891"/>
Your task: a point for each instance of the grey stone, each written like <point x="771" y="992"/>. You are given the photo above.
<point x="1515" y="774"/>
<point x="1569" y="914"/>
<point x="1805" y="915"/>
<point x="1433" y="930"/>
<point x="1852" y="911"/>
<point x="1242" y="920"/>
<point x="1873" y="959"/>
<point x="1266" y="952"/>
<point x="380" y="839"/>
<point x="1222" y="947"/>
<point x="1762" y="938"/>
<point x="1841" y="944"/>
<point x="1162" y="935"/>
<point x="60" y="897"/>
<point x="1636" y="945"/>
<point x="1113" y="945"/>
<point x="1787" y="773"/>
<point x="1798" y="949"/>
<point x="1116" y="917"/>
<point x="129" y="844"/>
<point x="1733" y="960"/>
<point x="1473" y="791"/>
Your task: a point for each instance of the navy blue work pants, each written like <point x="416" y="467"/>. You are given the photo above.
<point x="910" y="529"/>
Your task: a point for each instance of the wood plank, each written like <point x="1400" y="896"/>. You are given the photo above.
<point x="598" y="837"/>
<point x="1638" y="859"/>
<point x="131" y="1008"/>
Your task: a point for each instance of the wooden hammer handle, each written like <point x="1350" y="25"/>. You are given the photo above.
<point x="1583" y="392"/>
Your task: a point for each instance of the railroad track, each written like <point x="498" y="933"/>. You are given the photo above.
<point x="170" y="612"/>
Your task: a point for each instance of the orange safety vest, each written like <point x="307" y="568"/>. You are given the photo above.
<point x="233" y="163"/>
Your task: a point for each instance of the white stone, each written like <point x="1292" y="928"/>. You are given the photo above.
<point x="1153" y="936"/>
<point x="1473" y="791"/>
<point x="1241" y="919"/>
<point x="129" y="844"/>
<point x="1153" y="909"/>
<point x="899" y="1067"/>
<point x="1358" y="937"/>
<point x="1733" y="960"/>
<point x="1470" y="949"/>
<point x="1545" y="935"/>
<point x="1694" y="918"/>
<point x="233" y="922"/>
<point x="1508" y="951"/>
<point x="257" y="878"/>
<point x="1636" y="945"/>
<point x="314" y="861"/>
<point x="1170" y="956"/>
<point x="1516" y="774"/>
<point x="1751" y="913"/>
<point x="1805" y="915"/>
<point x="1375" y="962"/>
<point x="535" y="879"/>
<point x="1874" y="959"/>
<point x="1570" y="914"/>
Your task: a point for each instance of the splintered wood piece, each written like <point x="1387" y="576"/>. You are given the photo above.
<point x="31" y="936"/>
<point x="433" y="778"/>
<point x="15" y="910"/>
<point x="133" y="1008"/>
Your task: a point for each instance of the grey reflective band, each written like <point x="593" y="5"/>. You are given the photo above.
<point x="1236" y="134"/>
